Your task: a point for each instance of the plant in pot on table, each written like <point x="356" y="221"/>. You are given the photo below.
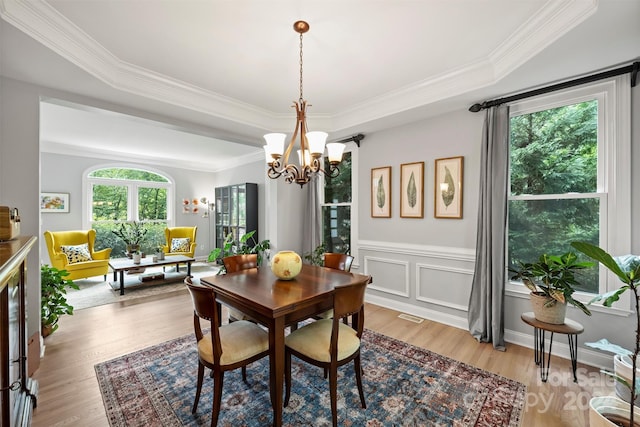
<point x="132" y="234"/>
<point x="552" y="282"/>
<point x="609" y="410"/>
<point x="53" y="303"/>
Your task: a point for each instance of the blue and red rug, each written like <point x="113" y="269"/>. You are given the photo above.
<point x="404" y="386"/>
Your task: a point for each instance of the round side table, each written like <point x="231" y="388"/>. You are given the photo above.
<point x="570" y="328"/>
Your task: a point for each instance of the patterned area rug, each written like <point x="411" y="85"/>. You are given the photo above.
<point x="404" y="386"/>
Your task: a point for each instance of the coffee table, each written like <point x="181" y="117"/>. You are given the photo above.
<point x="120" y="265"/>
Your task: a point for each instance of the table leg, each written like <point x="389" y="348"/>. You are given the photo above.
<point x="544" y="365"/>
<point x="189" y="268"/>
<point x="573" y="350"/>
<point x="121" y="282"/>
<point x="115" y="276"/>
<point x="276" y="365"/>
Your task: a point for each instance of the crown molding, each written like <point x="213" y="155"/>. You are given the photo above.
<point x="42" y="22"/>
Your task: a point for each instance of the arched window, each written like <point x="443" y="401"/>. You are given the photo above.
<point x="117" y="195"/>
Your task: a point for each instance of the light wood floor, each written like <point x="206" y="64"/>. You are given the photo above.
<point x="69" y="394"/>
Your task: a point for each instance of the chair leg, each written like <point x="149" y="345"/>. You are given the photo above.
<point x="333" y="393"/>
<point x="287" y="377"/>
<point x="198" y="387"/>
<point x="217" y="396"/>
<point x="358" y="368"/>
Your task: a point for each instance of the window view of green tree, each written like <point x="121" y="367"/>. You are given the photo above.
<point x="110" y="206"/>
<point x="336" y="211"/>
<point x="553" y="168"/>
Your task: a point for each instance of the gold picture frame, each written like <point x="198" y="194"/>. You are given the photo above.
<point x="381" y="192"/>
<point x="412" y="190"/>
<point x="448" y="187"/>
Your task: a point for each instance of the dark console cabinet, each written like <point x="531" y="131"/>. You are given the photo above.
<point x="17" y="390"/>
<point x="236" y="211"/>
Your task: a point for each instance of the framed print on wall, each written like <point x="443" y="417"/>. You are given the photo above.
<point x="54" y="202"/>
<point x="448" y="187"/>
<point x="412" y="190"/>
<point x="381" y="192"/>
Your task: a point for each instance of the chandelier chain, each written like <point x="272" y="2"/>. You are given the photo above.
<point x="301" y="97"/>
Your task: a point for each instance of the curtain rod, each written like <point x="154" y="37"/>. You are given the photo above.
<point x="633" y="69"/>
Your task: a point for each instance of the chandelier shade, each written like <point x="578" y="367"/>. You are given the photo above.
<point x="311" y="144"/>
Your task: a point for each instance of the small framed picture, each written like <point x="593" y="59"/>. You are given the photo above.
<point x="412" y="190"/>
<point x="381" y="192"/>
<point x="448" y="187"/>
<point x="54" y="202"/>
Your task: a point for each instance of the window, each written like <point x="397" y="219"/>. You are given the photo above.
<point x="569" y="175"/>
<point x="117" y="195"/>
<point x="338" y="206"/>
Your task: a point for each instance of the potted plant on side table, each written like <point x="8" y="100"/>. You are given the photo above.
<point x="611" y="410"/>
<point x="551" y="281"/>
<point x="53" y="302"/>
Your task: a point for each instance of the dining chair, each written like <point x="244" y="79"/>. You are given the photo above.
<point x="236" y="263"/>
<point x="225" y="347"/>
<point x="338" y="261"/>
<point x="329" y="343"/>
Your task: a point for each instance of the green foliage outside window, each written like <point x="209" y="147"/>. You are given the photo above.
<point x="336" y="213"/>
<point x="553" y="154"/>
<point x="110" y="207"/>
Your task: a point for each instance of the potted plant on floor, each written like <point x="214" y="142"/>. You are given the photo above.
<point x="552" y="281"/>
<point x="610" y="410"/>
<point x="132" y="234"/>
<point x="53" y="302"/>
<point x="246" y="245"/>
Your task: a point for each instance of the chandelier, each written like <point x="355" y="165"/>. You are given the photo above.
<point x="312" y="144"/>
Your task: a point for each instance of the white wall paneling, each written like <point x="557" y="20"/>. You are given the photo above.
<point x="443" y="285"/>
<point x="389" y="275"/>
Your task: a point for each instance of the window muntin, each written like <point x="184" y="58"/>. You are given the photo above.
<point x="117" y="195"/>
<point x="606" y="202"/>
<point x="338" y="207"/>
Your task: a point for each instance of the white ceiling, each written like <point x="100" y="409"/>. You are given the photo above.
<point x="215" y="75"/>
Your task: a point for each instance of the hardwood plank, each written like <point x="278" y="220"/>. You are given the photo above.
<point x="69" y="394"/>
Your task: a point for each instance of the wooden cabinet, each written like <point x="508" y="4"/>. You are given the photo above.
<point x="17" y="391"/>
<point x="236" y="211"/>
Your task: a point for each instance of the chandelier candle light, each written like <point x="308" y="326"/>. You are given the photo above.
<point x="311" y="143"/>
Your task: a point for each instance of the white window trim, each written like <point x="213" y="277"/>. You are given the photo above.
<point x="352" y="148"/>
<point x="88" y="183"/>
<point x="614" y="160"/>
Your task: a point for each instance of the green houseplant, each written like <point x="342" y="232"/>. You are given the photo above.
<point x="53" y="301"/>
<point x="316" y="257"/>
<point x="553" y="278"/>
<point x="132" y="234"/>
<point x="627" y="268"/>
<point x="247" y="244"/>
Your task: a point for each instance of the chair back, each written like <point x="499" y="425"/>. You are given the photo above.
<point x="55" y="239"/>
<point x="205" y="307"/>
<point x="338" y="261"/>
<point x="171" y="233"/>
<point x="349" y="300"/>
<point x="235" y="263"/>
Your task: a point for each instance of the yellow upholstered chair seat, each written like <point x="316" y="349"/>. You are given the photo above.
<point x="179" y="234"/>
<point x="314" y="339"/>
<point x="60" y="245"/>
<point x="239" y="340"/>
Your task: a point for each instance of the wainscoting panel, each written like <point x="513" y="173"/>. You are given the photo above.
<point x="443" y="285"/>
<point x="389" y="275"/>
<point x="432" y="282"/>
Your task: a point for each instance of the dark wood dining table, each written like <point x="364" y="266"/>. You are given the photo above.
<point x="278" y="303"/>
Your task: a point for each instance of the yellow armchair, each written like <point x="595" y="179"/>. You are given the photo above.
<point x="74" y="251"/>
<point x="180" y="246"/>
